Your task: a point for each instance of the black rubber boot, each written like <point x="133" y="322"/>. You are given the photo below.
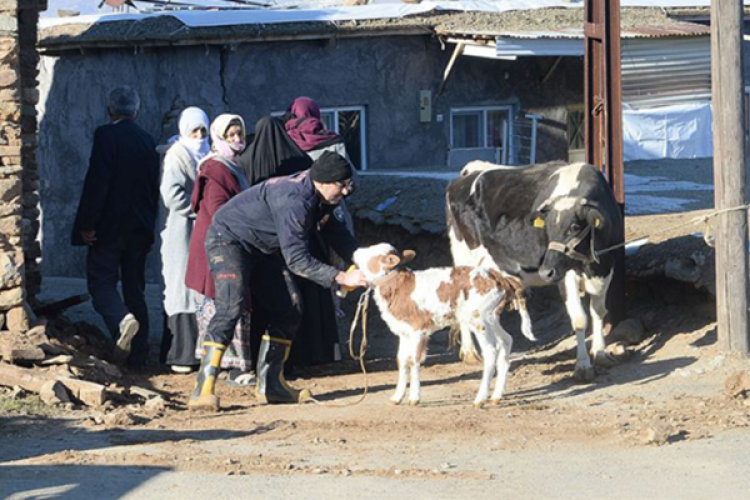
<point x="203" y="397"/>
<point x="272" y="388"/>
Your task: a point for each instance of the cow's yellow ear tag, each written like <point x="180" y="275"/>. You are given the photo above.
<point x="539" y="222"/>
<point x="597" y="222"/>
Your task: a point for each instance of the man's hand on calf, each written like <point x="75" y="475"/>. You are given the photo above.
<point x="352" y="279"/>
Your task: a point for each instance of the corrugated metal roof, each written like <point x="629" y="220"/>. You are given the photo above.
<point x="556" y="23"/>
<point x="681" y="30"/>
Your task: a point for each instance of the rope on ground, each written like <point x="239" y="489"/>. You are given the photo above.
<point x="695" y="220"/>
<point x="363" y="305"/>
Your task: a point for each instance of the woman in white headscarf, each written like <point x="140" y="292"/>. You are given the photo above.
<point x="178" y="179"/>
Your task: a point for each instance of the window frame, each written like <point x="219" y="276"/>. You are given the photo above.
<point x="362" y="129"/>
<point x="484" y="110"/>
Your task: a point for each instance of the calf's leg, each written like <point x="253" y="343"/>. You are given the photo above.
<point x="505" y="346"/>
<point x="487" y="345"/>
<point x="418" y="352"/>
<point x="403" y="368"/>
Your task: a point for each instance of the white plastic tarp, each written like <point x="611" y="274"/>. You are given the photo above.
<point x="677" y="131"/>
<point x="378" y="10"/>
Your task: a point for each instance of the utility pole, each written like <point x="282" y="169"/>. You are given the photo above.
<point x="729" y="174"/>
<point x="603" y="119"/>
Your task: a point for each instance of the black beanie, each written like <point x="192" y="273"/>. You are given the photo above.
<point x="331" y="167"/>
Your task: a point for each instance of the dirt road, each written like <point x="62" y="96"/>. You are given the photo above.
<point x="656" y="425"/>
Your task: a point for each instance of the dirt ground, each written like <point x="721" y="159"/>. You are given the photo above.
<point x="669" y="391"/>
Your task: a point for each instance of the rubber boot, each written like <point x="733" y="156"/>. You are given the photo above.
<point x="272" y="388"/>
<point x="203" y="397"/>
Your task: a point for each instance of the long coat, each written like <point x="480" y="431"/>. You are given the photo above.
<point x="214" y="186"/>
<point x="120" y="196"/>
<point x="176" y="189"/>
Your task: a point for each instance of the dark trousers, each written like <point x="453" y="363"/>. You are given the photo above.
<point x="105" y="266"/>
<point x="234" y="271"/>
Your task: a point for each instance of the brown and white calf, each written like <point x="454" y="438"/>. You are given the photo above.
<point x="416" y="304"/>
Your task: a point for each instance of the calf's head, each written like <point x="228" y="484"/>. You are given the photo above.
<point x="571" y="224"/>
<point x="377" y="260"/>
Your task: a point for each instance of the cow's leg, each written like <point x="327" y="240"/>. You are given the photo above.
<point x="403" y="370"/>
<point x="505" y="346"/>
<point x="418" y="351"/>
<point x="597" y="289"/>
<point x="463" y="256"/>
<point x="584" y="370"/>
<point x="487" y="344"/>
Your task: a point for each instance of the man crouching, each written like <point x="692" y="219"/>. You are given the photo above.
<point x="261" y="236"/>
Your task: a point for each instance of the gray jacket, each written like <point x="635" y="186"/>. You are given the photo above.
<point x="176" y="188"/>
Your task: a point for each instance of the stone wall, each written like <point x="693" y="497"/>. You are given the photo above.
<point x="20" y="251"/>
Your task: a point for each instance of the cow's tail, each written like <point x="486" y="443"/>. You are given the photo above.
<point x="525" y="318"/>
<point x="517" y="300"/>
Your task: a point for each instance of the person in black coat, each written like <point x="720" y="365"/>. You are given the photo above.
<point x="262" y="237"/>
<point x="116" y="219"/>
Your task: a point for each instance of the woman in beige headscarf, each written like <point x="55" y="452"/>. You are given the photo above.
<point x="219" y="179"/>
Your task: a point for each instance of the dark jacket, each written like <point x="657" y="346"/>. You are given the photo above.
<point x="121" y="192"/>
<point x="214" y="186"/>
<point x="281" y="215"/>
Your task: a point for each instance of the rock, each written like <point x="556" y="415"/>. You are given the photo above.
<point x="54" y="393"/>
<point x="737" y="385"/>
<point x="17" y="320"/>
<point x="119" y="418"/>
<point x="62" y="359"/>
<point x="156" y="404"/>
<point x="629" y="332"/>
<point x="656" y="434"/>
<point x="11" y="298"/>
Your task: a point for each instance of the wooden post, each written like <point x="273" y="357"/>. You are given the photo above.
<point x="603" y="120"/>
<point x="729" y="174"/>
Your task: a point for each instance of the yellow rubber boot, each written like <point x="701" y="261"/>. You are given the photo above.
<point x="203" y="397"/>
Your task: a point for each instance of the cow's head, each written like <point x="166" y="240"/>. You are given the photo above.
<point x="377" y="260"/>
<point x="571" y="224"/>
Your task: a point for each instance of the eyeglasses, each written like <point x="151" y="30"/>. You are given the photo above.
<point x="349" y="186"/>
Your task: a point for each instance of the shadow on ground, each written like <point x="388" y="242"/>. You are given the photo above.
<point x="68" y="435"/>
<point x="73" y="482"/>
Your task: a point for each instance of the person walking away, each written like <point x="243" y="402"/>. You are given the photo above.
<point x="116" y="219"/>
<point x="180" y="167"/>
<point x="219" y="179"/>
<point x="268" y="227"/>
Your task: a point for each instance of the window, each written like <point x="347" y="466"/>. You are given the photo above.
<point x="348" y="122"/>
<point x="482" y="128"/>
<point x="576" y="133"/>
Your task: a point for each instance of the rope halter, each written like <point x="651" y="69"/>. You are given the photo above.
<point x="569" y="249"/>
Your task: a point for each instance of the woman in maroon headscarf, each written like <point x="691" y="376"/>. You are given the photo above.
<point x="304" y="126"/>
<point x="318" y="343"/>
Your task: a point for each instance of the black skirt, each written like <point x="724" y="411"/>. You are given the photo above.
<point x="183" y="328"/>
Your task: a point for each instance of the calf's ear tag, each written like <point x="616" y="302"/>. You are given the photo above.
<point x="597" y="222"/>
<point x="539" y="222"/>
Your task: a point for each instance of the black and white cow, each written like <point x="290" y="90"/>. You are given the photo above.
<point x="542" y="224"/>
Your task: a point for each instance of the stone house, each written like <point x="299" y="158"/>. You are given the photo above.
<point x="397" y="89"/>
